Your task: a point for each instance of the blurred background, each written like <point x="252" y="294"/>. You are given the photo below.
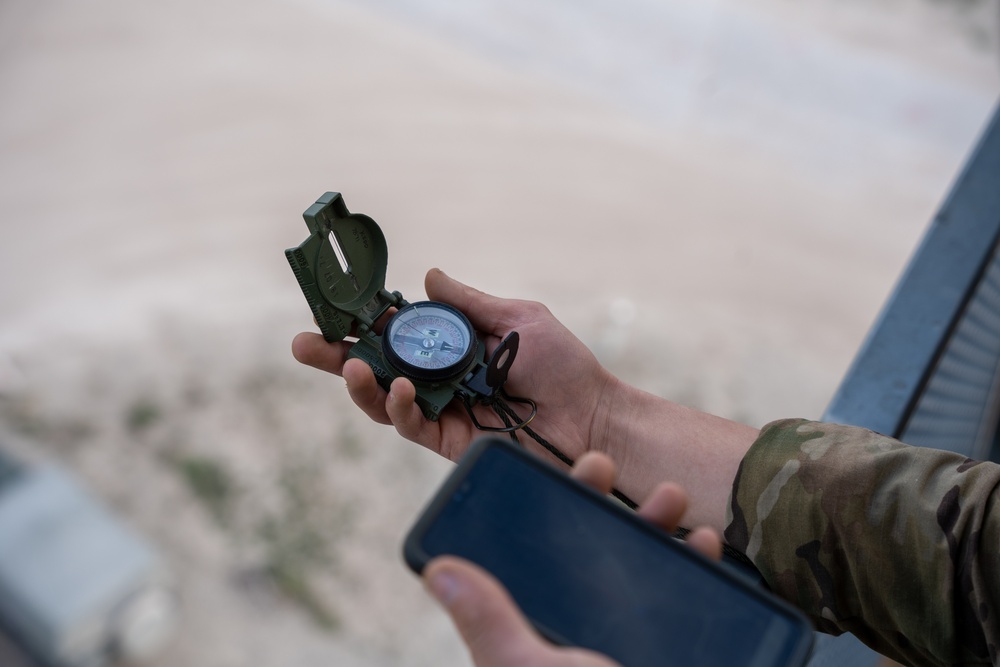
<point x="715" y="196"/>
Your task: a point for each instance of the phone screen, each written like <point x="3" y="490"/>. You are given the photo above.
<point x="589" y="573"/>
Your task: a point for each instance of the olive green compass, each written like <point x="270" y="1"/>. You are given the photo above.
<point x="341" y="270"/>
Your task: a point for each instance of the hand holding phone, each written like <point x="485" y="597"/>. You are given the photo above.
<point x="588" y="573"/>
<point x="493" y="628"/>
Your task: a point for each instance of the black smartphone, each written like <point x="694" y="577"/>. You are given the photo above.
<point x="587" y="572"/>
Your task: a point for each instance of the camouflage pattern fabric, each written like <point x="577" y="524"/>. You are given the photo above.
<point x="899" y="545"/>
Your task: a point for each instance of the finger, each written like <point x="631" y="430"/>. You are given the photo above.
<point x="487" y="313"/>
<point x="596" y="471"/>
<point x="706" y="541"/>
<point x="483" y="612"/>
<point x="406" y="415"/>
<point x="665" y="506"/>
<point x="313" y="350"/>
<point x="364" y="390"/>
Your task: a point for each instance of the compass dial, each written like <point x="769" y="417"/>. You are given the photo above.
<point x="429" y="341"/>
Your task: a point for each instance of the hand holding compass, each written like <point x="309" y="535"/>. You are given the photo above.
<point x="582" y="397"/>
<point x="432" y="345"/>
<point x="553" y="365"/>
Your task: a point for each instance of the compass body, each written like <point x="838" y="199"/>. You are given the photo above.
<point x="341" y="270"/>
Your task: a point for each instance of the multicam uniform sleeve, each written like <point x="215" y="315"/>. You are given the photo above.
<point x="899" y="545"/>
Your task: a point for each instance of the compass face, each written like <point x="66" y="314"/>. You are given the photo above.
<point x="429" y="341"/>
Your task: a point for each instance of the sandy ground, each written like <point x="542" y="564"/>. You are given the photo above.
<point x="154" y="162"/>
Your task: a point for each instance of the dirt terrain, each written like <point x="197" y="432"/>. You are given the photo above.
<point x="725" y="242"/>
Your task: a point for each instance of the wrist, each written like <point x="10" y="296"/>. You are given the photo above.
<point x="620" y="417"/>
<point x="652" y="440"/>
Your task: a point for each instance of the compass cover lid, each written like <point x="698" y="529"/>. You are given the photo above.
<point x="341" y="266"/>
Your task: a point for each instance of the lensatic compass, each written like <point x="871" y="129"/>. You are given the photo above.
<point x="341" y="270"/>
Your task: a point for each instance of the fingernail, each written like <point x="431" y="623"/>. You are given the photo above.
<point x="444" y="587"/>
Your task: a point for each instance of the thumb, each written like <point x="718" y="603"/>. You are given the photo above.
<point x="491" y="625"/>
<point x="487" y="313"/>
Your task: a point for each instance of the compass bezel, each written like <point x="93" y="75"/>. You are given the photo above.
<point x="420" y="373"/>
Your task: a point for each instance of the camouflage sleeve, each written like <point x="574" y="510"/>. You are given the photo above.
<point x="896" y="544"/>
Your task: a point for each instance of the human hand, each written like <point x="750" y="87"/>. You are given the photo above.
<point x="553" y="367"/>
<point x="495" y="630"/>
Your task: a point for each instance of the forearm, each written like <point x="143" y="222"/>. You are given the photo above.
<point x="896" y="544"/>
<point x="653" y="440"/>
